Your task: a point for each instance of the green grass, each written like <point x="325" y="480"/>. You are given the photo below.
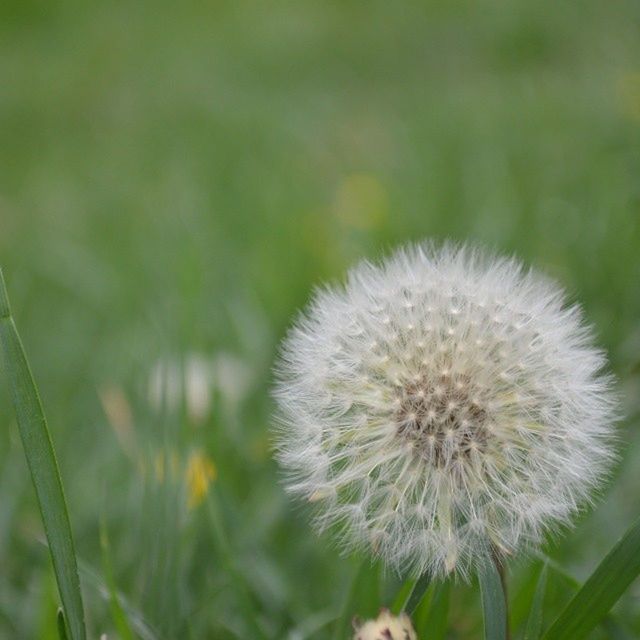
<point x="175" y="178"/>
<point x="43" y="468"/>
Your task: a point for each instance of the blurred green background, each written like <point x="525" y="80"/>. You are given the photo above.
<point x="175" y="178"/>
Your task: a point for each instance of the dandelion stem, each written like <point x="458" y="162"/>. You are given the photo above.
<point x="493" y="601"/>
<point x="502" y="572"/>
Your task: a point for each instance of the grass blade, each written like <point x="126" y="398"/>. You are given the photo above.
<point x="118" y="615"/>
<point x="142" y="629"/>
<point x="601" y="591"/>
<point x="44" y="469"/>
<point x="432" y="614"/>
<point x="404" y="593"/>
<point x="343" y="623"/>
<point x="411" y="594"/>
<point x="614" y="630"/>
<point x="62" y="626"/>
<point x="534" y="623"/>
<point x="608" y="623"/>
<point x="417" y="593"/>
<point x="227" y="557"/>
<point x="494" y="606"/>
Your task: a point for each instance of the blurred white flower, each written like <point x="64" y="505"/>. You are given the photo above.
<point x="193" y="379"/>
<point x="233" y="375"/>
<point x="441" y="407"/>
<point x="165" y="385"/>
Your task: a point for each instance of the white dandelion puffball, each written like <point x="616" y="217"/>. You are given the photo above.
<point x="442" y="407"/>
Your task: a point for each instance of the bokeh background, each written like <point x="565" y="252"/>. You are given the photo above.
<point x="176" y="177"/>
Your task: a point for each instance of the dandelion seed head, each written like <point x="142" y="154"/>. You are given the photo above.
<point x="385" y="627"/>
<point x="443" y="404"/>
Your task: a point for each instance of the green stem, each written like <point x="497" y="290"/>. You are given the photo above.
<point x="494" y="601"/>
<point x="502" y="572"/>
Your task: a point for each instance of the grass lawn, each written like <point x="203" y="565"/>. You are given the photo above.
<point x="175" y="178"/>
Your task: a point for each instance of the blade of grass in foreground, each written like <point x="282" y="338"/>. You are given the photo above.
<point x="494" y="606"/>
<point x="601" y="591"/>
<point x="44" y="470"/>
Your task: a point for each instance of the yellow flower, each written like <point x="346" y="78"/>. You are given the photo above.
<point x="199" y="473"/>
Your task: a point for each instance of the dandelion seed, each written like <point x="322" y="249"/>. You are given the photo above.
<point x="479" y="443"/>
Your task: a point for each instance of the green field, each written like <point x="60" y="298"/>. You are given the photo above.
<point x="176" y="178"/>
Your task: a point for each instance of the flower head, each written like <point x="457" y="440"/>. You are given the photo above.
<point x="443" y="406"/>
<point x="385" y="627"/>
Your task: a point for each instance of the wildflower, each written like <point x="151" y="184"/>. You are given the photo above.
<point x="173" y="382"/>
<point x="442" y="407"/>
<point x="192" y="381"/>
<point x="199" y="473"/>
<point x="385" y="627"/>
